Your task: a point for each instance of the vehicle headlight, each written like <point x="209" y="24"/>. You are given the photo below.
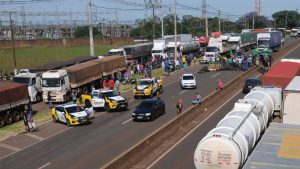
<point x="148" y="114"/>
<point x="113" y="101"/>
<point x="133" y="114"/>
<point x="75" y="118"/>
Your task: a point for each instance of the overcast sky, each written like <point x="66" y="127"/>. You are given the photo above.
<point x="134" y="9"/>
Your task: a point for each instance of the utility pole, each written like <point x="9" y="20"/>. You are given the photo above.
<point x="286" y="19"/>
<point x="206" y="22"/>
<point x="13" y="42"/>
<point x="219" y="20"/>
<point x="175" y="31"/>
<point x="92" y="50"/>
<point x="162" y="18"/>
<point x="253" y="20"/>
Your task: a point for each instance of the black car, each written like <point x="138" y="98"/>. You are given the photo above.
<point x="250" y="83"/>
<point x="148" y="110"/>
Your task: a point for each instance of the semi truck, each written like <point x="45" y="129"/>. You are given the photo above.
<point x="13" y="100"/>
<point x="181" y="38"/>
<point x="295" y="32"/>
<point x="189" y="47"/>
<point x="245" y="40"/>
<point x="270" y="40"/>
<point x="33" y="81"/>
<point x="61" y="83"/>
<point x="140" y="52"/>
<point x="229" y="144"/>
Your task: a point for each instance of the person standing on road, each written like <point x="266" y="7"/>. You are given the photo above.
<point x="49" y="100"/>
<point x="25" y="121"/>
<point x="220" y="85"/>
<point x="104" y="84"/>
<point x="111" y="84"/>
<point x="74" y="98"/>
<point x="117" y="83"/>
<point x="179" y="107"/>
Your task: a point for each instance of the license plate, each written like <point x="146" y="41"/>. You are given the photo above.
<point x="139" y="117"/>
<point x="122" y="106"/>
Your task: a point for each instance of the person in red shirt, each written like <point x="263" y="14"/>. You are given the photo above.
<point x="111" y="84"/>
<point x="104" y="84"/>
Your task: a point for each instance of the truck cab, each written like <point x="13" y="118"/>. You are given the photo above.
<point x="117" y="51"/>
<point x="108" y="99"/>
<point x="147" y="87"/>
<point x="57" y="83"/>
<point x="33" y="81"/>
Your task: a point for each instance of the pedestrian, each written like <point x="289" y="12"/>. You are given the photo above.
<point x="49" y="100"/>
<point x="74" y="98"/>
<point x="79" y="96"/>
<point x="104" y="84"/>
<point x="220" y="85"/>
<point x="25" y="121"/>
<point x="198" y="99"/>
<point x="117" y="83"/>
<point x="111" y="84"/>
<point x="179" y="107"/>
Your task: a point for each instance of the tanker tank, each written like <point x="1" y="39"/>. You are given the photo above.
<point x="228" y="145"/>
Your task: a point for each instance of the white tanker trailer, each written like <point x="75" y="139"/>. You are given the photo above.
<point x="228" y="145"/>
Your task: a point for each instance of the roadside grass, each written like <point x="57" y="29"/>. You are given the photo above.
<point x="18" y="127"/>
<point x="33" y="57"/>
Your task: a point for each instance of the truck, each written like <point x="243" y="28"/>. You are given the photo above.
<point x="33" y="81"/>
<point x="291" y="98"/>
<point x="189" y="47"/>
<point x="159" y="49"/>
<point x="140" y="52"/>
<point x="181" y="38"/>
<point x="13" y="100"/>
<point x="229" y="144"/>
<point x="148" y="87"/>
<point x="295" y="32"/>
<point x="61" y="83"/>
<point x="270" y="40"/>
<point x="217" y="46"/>
<point x="245" y="40"/>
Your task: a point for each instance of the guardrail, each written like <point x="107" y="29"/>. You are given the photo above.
<point x="167" y="135"/>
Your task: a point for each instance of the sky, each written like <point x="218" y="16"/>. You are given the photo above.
<point x="130" y="10"/>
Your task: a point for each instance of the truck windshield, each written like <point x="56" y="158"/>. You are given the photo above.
<point x="263" y="43"/>
<point x="211" y="49"/>
<point x="116" y="53"/>
<point x="24" y="80"/>
<point x="50" y="82"/>
<point x="157" y="51"/>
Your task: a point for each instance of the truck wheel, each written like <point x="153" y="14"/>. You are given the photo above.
<point x="107" y="108"/>
<point x="38" y="98"/>
<point x="2" y="122"/>
<point x="68" y="123"/>
<point x="16" y="116"/>
<point x="8" y="119"/>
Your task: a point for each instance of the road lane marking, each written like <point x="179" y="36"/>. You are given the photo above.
<point x="35" y="136"/>
<point x="127" y="121"/>
<point x="9" y="147"/>
<point x="182" y="91"/>
<point x="189" y="133"/>
<point x="215" y="74"/>
<point x="44" y="165"/>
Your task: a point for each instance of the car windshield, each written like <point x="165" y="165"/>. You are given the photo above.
<point x="50" y="82"/>
<point x="108" y="94"/>
<point x="146" y="105"/>
<point x="188" y="77"/>
<point x="74" y="109"/>
<point x="157" y="51"/>
<point x="145" y="82"/>
<point x="251" y="82"/>
<point x="24" y="80"/>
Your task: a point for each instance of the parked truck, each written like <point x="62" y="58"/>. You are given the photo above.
<point x="140" y="52"/>
<point x="33" y="81"/>
<point x="229" y="144"/>
<point x="246" y="40"/>
<point x="13" y="99"/>
<point x="270" y="40"/>
<point x="181" y="38"/>
<point x="295" y="32"/>
<point x="61" y="83"/>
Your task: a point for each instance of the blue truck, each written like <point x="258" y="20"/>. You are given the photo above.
<point x="270" y="40"/>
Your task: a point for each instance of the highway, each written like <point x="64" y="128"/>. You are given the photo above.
<point x="181" y="156"/>
<point x="110" y="134"/>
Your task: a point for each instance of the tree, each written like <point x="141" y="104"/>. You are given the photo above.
<point x="83" y="31"/>
<point x="246" y="22"/>
<point x="286" y="19"/>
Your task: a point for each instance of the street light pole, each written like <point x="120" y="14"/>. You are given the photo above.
<point x="175" y="31"/>
<point x="92" y="50"/>
<point x="13" y="43"/>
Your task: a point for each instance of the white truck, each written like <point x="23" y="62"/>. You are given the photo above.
<point x="229" y="144"/>
<point x="291" y="102"/>
<point x="33" y="81"/>
<point x="159" y="48"/>
<point x="181" y="38"/>
<point x="295" y="32"/>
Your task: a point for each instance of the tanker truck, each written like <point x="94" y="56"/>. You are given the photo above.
<point x="229" y="144"/>
<point x="61" y="83"/>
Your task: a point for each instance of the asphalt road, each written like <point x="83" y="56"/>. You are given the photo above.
<point x="181" y="156"/>
<point x="92" y="146"/>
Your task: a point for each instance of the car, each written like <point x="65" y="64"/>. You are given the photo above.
<point x="148" y="87"/>
<point x="249" y="84"/>
<point x="71" y="114"/>
<point x="188" y="80"/>
<point x="148" y="110"/>
<point x="105" y="98"/>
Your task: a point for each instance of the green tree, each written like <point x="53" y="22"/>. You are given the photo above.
<point x="286" y="19"/>
<point x="83" y="31"/>
<point x="246" y="22"/>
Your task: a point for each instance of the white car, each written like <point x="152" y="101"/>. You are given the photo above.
<point x="188" y="80"/>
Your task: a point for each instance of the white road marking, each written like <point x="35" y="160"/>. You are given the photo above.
<point x="182" y="91"/>
<point x="189" y="133"/>
<point x="127" y="121"/>
<point x="215" y="74"/>
<point x="9" y="147"/>
<point x="131" y="100"/>
<point x="44" y="165"/>
<point x="35" y="136"/>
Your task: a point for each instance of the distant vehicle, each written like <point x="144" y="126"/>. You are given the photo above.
<point x="71" y="114"/>
<point x="283" y="34"/>
<point x="188" y="81"/>
<point x="107" y="99"/>
<point x="149" y="109"/>
<point x="295" y="32"/>
<point x="250" y="83"/>
<point x="269" y="40"/>
<point x="147" y="87"/>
